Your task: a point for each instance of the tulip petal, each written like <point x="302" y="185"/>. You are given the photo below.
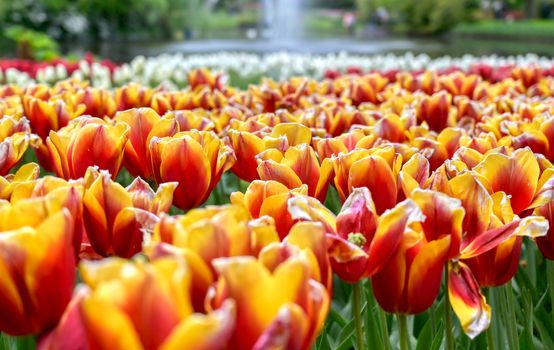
<point x="467" y="301"/>
<point x="517" y="175"/>
<point x="203" y="332"/>
<point x="390" y="229"/>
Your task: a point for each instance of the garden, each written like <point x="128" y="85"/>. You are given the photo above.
<point x="296" y="196"/>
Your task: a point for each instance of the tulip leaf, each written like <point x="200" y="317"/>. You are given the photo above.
<point x="323" y="342"/>
<point x="545" y="328"/>
<point x="346" y="336"/>
<point x="336" y="317"/>
<point x="426" y="339"/>
<point x="526" y="341"/>
<point x="437" y="340"/>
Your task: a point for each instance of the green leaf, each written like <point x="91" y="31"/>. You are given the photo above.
<point x="437" y="340"/>
<point x="542" y="321"/>
<point x="425" y="338"/>
<point x="346" y="336"/>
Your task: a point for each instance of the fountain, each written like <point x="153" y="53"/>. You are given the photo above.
<point x="282" y="19"/>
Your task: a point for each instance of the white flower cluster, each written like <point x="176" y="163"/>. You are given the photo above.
<point x="172" y="69"/>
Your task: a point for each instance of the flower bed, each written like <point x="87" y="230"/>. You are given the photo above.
<point x="298" y="214"/>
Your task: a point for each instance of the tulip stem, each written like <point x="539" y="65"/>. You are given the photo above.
<point x="384" y="328"/>
<point x="357" y="295"/>
<point x="510" y="314"/>
<point x="403" y="327"/>
<point x="447" y="317"/>
<point x="550" y="278"/>
<point x="490" y="336"/>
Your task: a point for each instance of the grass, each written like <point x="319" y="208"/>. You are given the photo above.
<point x="539" y="29"/>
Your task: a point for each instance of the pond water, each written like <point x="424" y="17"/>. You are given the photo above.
<point x="124" y="51"/>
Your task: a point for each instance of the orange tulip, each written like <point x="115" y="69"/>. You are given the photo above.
<point x="144" y="124"/>
<point x="297" y="166"/>
<point x="37" y="269"/>
<point x="436" y="111"/>
<point x="86" y="142"/>
<point x="203" y="77"/>
<point x="133" y="95"/>
<point x="98" y="102"/>
<point x="15" y="138"/>
<point x="269" y="198"/>
<point x="114" y="225"/>
<point x="377" y="169"/>
<point x="122" y="299"/>
<point x="194" y="159"/>
<point x="519" y="176"/>
<point x="52" y="189"/>
<point x="248" y="142"/>
<point x="277" y="306"/>
<point x="421" y="254"/>
<point x="48" y="115"/>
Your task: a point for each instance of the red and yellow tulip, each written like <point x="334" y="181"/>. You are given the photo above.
<point x="83" y="143"/>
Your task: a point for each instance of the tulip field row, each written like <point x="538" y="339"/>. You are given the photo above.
<point x="362" y="209"/>
<point x="243" y="68"/>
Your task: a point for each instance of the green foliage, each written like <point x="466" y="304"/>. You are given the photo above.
<point x="423" y="17"/>
<point x="528" y="28"/>
<point x="32" y="44"/>
<point x="434" y="16"/>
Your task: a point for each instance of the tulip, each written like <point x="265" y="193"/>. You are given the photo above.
<point x="192" y="236"/>
<point x="519" y="176"/>
<point x="247" y="144"/>
<point x="114" y="225"/>
<point x="194" y="159"/>
<point x="46" y="116"/>
<point x="50" y="189"/>
<point x="269" y="198"/>
<point x="493" y="256"/>
<point x="116" y="309"/>
<point x="84" y="143"/>
<point x="15" y="138"/>
<point x="27" y="172"/>
<point x="376" y="169"/>
<point x="297" y="166"/>
<point x="421" y="254"/>
<point x="144" y="124"/>
<point x="328" y="147"/>
<point x="436" y="111"/>
<point x="460" y="84"/>
<point x="98" y="102"/>
<point x="43" y="255"/>
<point x="203" y="77"/>
<point x="132" y="96"/>
<point x="367" y="89"/>
<point x="191" y="120"/>
<point x="281" y="307"/>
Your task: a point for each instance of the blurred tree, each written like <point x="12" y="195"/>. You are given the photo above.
<point x="365" y="8"/>
<point x="422" y="17"/>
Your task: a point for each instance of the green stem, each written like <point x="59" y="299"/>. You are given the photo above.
<point x="550" y="277"/>
<point x="510" y="315"/>
<point x="372" y="327"/>
<point x="403" y="327"/>
<point x="489" y="331"/>
<point x="357" y="295"/>
<point x="384" y="328"/>
<point x="447" y="317"/>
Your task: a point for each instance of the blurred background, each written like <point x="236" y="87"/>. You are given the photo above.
<point x="121" y="29"/>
